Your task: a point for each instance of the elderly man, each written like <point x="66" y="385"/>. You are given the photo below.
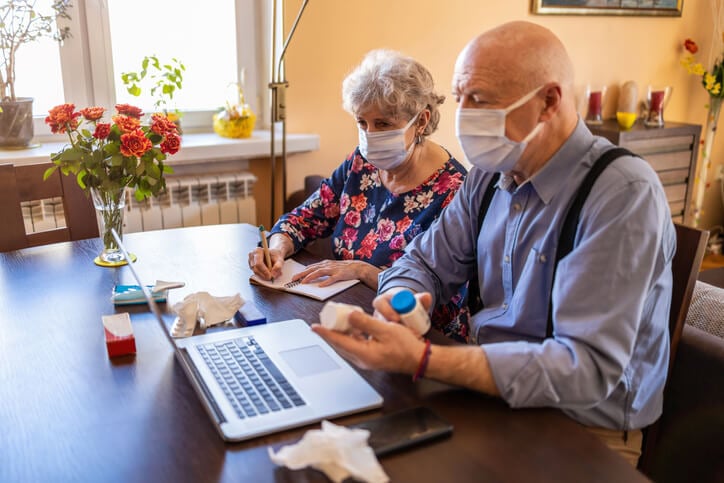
<point x="586" y="334"/>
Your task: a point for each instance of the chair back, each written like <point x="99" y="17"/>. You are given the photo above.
<point x="20" y="184"/>
<point x="690" y="248"/>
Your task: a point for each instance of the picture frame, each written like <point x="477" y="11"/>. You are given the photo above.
<point x="665" y="8"/>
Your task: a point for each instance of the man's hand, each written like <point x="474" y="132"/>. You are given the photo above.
<point x="376" y="344"/>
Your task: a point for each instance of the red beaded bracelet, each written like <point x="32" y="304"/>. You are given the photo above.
<point x="422" y="366"/>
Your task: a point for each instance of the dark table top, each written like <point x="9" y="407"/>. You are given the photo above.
<point x="69" y="413"/>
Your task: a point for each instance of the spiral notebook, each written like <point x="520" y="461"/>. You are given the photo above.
<point x="312" y="290"/>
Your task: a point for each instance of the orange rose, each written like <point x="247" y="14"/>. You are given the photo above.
<point x="135" y="144"/>
<point x="129" y="110"/>
<point x="92" y="113"/>
<point x="161" y="124"/>
<point x="62" y="117"/>
<point x="127" y="124"/>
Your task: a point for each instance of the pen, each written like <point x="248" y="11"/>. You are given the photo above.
<point x="265" y="247"/>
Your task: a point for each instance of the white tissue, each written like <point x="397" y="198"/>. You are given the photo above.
<point x="205" y="308"/>
<point x="337" y="451"/>
<point x="335" y="315"/>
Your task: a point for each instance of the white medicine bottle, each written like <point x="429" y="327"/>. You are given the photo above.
<point x="411" y="311"/>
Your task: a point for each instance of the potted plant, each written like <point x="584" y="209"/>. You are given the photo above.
<point x="163" y="80"/>
<point x="22" y="23"/>
<point x="107" y="157"/>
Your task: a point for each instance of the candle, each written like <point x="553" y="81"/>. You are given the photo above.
<point x="594" y="106"/>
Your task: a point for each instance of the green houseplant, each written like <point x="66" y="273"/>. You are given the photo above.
<point x="163" y="79"/>
<point x="22" y="23"/>
<point x="108" y="157"/>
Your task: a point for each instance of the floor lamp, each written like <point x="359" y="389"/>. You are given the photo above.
<point x="278" y="87"/>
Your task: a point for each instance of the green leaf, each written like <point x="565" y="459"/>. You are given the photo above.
<point x="134" y="90"/>
<point x="79" y="178"/>
<point x="49" y="172"/>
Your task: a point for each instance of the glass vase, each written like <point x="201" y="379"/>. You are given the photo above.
<point x="109" y="205"/>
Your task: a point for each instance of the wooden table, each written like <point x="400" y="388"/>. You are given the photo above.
<point x="69" y="413"/>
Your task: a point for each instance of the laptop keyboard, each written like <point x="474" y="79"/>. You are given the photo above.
<point x="251" y="381"/>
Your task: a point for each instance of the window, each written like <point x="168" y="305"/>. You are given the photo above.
<point x="215" y="39"/>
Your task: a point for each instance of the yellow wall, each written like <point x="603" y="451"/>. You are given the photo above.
<point x="334" y="35"/>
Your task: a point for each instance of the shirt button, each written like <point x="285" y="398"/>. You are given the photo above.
<point x="543" y="258"/>
<point x="517" y="207"/>
<point x="505" y="306"/>
<point x="506" y="259"/>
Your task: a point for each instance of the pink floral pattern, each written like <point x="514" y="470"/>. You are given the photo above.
<point x="367" y="222"/>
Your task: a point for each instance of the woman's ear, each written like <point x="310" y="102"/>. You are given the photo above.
<point x="422" y="120"/>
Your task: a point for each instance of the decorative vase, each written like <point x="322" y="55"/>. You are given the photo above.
<point x="712" y="119"/>
<point x="109" y="205"/>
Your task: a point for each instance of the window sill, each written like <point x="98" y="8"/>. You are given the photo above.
<point x="195" y="147"/>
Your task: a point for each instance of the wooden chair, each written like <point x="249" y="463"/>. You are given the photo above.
<point x="690" y="247"/>
<point x="25" y="183"/>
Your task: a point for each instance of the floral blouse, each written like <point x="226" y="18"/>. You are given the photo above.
<point x="367" y="222"/>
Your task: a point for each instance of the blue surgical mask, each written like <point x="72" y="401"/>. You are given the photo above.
<point x="481" y="133"/>
<point x="386" y="149"/>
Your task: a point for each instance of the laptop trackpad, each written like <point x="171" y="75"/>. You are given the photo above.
<point x="308" y="361"/>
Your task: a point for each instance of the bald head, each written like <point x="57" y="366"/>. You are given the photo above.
<point x="517" y="57"/>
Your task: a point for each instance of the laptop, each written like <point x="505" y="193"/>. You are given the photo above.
<point x="266" y="378"/>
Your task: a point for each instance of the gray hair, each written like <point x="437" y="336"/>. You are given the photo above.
<point x="397" y="84"/>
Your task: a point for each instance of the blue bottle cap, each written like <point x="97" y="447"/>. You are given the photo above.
<point x="403" y="302"/>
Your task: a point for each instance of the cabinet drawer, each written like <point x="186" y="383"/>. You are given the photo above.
<point x="667" y="161"/>
<point x="673" y="176"/>
<point x="660" y="145"/>
<point x="676" y="192"/>
<point x="677" y="208"/>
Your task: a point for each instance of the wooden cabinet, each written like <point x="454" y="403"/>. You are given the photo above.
<point x="671" y="150"/>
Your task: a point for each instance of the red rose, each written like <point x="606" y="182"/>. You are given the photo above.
<point x="353" y="218"/>
<point x="171" y="144"/>
<point x="102" y="130"/>
<point x="62" y="117"/>
<point x="92" y="113"/>
<point x="691" y="46"/>
<point x="127" y="124"/>
<point x="129" y="110"/>
<point x="135" y="143"/>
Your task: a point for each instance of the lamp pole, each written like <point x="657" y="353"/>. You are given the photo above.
<point x="278" y="87"/>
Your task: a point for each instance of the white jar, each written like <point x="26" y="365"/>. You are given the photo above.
<point x="335" y="315"/>
<point x="411" y="311"/>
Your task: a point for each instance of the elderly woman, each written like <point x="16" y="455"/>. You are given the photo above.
<point x="389" y="190"/>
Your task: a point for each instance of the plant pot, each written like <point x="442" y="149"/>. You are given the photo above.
<point x="16" y="123"/>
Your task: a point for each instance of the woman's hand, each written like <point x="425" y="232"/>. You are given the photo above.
<point x="280" y="247"/>
<point x="338" y="270"/>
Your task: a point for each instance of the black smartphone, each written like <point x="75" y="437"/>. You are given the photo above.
<point x="402" y="429"/>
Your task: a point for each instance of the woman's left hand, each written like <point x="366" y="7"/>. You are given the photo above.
<point x="338" y="270"/>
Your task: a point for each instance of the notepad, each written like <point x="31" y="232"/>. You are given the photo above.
<point x="312" y="290"/>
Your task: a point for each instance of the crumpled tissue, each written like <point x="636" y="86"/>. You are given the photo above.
<point x="204" y="308"/>
<point x="337" y="451"/>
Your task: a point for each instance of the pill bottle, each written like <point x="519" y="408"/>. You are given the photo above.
<point x="335" y="315"/>
<point x="411" y="311"/>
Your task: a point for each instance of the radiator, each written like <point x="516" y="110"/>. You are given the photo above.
<point x="193" y="201"/>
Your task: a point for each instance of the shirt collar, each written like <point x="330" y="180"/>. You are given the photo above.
<point x="558" y="169"/>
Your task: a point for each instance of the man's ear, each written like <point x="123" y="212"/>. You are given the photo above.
<point x="552" y="94"/>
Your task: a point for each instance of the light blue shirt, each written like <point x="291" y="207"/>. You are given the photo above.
<point x="606" y="363"/>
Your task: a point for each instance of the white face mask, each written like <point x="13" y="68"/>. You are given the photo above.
<point x="481" y="133"/>
<point x="386" y="149"/>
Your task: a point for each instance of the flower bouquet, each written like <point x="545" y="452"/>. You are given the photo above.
<point x="712" y="81"/>
<point x="108" y="157"/>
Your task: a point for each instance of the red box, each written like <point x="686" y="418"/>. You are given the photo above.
<point x="119" y="334"/>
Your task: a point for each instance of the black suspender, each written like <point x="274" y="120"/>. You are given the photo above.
<point x="568" y="231"/>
